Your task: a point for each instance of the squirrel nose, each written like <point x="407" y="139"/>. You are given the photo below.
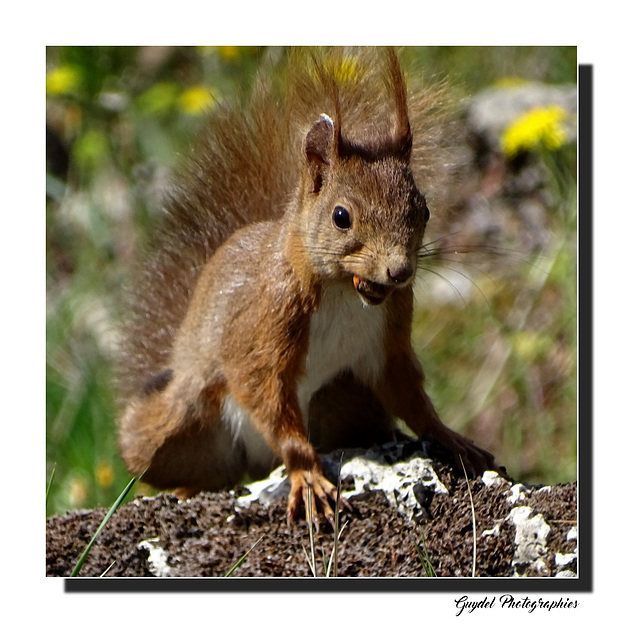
<point x="400" y="272"/>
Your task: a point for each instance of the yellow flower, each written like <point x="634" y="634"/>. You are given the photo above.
<point x="195" y="99"/>
<point x="346" y="70"/>
<point x="62" y="79"/>
<point x="541" y="126"/>
<point x="229" y="53"/>
<point x="104" y="474"/>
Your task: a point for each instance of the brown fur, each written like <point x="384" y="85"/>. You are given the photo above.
<point x="254" y="265"/>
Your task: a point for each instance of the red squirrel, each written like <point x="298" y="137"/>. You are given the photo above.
<point x="272" y="317"/>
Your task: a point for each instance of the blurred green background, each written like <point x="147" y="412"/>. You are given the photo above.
<point x="500" y="357"/>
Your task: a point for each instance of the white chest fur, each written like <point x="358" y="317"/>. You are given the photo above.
<point x="344" y="334"/>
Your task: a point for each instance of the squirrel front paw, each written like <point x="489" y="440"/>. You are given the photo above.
<point x="311" y="489"/>
<point x="468" y="457"/>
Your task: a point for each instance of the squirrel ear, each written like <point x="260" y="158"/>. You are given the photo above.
<point x="401" y="137"/>
<point x="320" y="148"/>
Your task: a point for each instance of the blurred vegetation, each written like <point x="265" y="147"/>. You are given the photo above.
<point x="117" y="120"/>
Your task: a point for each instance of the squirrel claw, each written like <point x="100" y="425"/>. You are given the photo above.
<point x="470" y="459"/>
<point x="316" y="493"/>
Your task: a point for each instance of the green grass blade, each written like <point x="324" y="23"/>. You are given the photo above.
<point x="111" y="511"/>
<point x="46" y="497"/>
<point x="312" y="560"/>
<point x="243" y="558"/>
<point x="473" y="521"/>
<point x="423" y="556"/>
<point x="333" y="559"/>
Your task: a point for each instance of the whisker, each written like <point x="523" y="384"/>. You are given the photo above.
<point x="473" y="254"/>
<point x="436" y="273"/>
<point x="462" y="274"/>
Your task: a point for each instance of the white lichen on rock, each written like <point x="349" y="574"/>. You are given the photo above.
<point x="530" y="540"/>
<point x="158" y="559"/>
<point x="517" y="493"/>
<point x="264" y="492"/>
<point x="396" y="481"/>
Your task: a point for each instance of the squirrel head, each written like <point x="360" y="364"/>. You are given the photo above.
<point x="362" y="217"/>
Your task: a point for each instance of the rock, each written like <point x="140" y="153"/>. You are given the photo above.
<point x="407" y="505"/>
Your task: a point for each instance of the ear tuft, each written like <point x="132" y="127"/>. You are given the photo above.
<point x="320" y="146"/>
<point x="401" y="136"/>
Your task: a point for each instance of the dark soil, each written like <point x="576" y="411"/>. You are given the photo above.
<point x="207" y="535"/>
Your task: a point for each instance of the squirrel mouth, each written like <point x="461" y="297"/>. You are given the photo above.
<point x="371" y="292"/>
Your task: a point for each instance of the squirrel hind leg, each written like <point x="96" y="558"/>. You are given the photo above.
<point x="144" y="426"/>
<point x="177" y="441"/>
<point x="146" y="422"/>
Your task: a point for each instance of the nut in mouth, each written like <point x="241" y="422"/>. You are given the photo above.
<point x="371" y="292"/>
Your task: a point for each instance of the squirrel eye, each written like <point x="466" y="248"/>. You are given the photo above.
<point x="427" y="214"/>
<point x="341" y="218"/>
